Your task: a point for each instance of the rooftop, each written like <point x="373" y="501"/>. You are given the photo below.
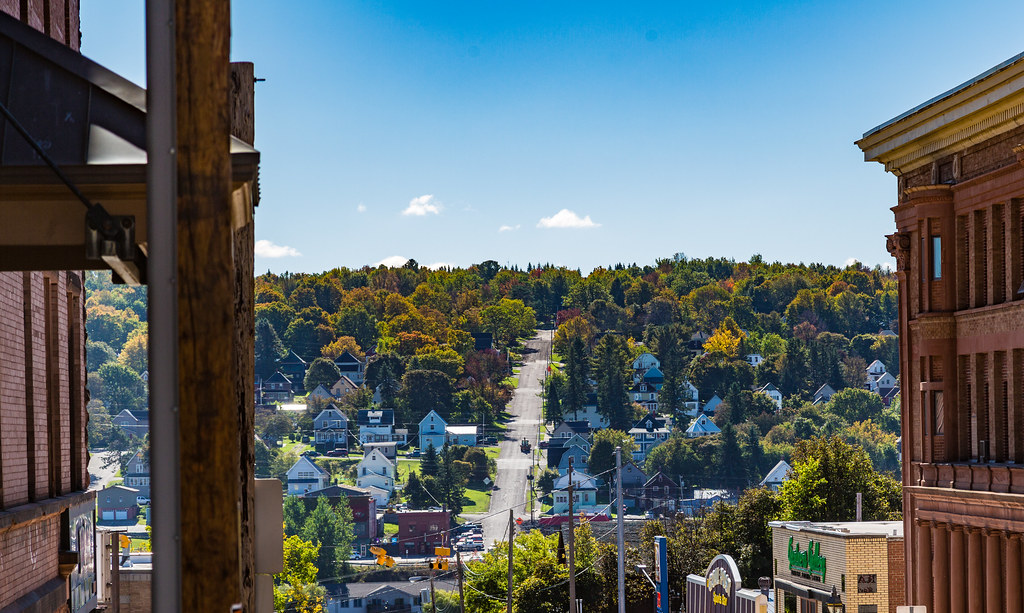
<point x="891" y="529"/>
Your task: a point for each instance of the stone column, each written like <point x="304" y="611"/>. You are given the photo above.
<point x="993" y="572"/>
<point x="1014" y="599"/>
<point x="940" y="567"/>
<point x="924" y="564"/>
<point x="957" y="576"/>
<point x="975" y="576"/>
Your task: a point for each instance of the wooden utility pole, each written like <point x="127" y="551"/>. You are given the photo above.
<point x="572" y="542"/>
<point x="216" y="572"/>
<point x="462" y="598"/>
<point x="511" y="542"/>
<point x="433" y="603"/>
<point x="619" y="531"/>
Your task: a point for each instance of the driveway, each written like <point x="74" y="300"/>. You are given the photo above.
<point x="513" y="464"/>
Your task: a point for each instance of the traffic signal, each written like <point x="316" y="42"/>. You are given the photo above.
<point x="439" y="564"/>
<point x="383" y="559"/>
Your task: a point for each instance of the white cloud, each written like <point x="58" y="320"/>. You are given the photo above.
<point x="508" y="228"/>
<point x="566" y="219"/>
<point x="393" y="261"/>
<point x="438" y="265"/>
<point x="851" y="262"/>
<point x="361" y="208"/>
<point x="267" y="249"/>
<point x="421" y="206"/>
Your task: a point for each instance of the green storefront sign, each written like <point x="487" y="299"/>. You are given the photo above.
<point x="808" y="562"/>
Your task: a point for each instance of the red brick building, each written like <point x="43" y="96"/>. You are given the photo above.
<point x="419" y="532"/>
<point x="47" y="560"/>
<point x="959" y="214"/>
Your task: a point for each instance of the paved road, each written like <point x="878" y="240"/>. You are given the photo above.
<point x="513" y="464"/>
<point x="99" y="477"/>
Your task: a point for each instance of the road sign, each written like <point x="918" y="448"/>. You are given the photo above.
<point x="442" y="551"/>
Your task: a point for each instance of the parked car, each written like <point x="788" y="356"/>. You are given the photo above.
<point x="415" y="453"/>
<point x="338" y="453"/>
<point x="312" y="453"/>
<point x="490" y="440"/>
<point x="141" y="500"/>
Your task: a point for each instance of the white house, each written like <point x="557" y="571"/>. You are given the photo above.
<point x="461" y="435"/>
<point x="351" y="367"/>
<point x="588" y="414"/>
<point x="644" y="362"/>
<point x="321" y="392"/>
<point x="755" y="359"/>
<point x="690" y="397"/>
<point x="876" y="368"/>
<point x="824" y="394"/>
<point x="376" y="470"/>
<point x="584" y="493"/>
<point x="777" y="476"/>
<point x="305" y="476"/>
<point x="432" y="431"/>
<point x="378" y="426"/>
<point x="772" y="392"/>
<point x="878" y="379"/>
<point x="702" y="426"/>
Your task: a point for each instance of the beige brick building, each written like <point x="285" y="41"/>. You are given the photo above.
<point x="863" y="561"/>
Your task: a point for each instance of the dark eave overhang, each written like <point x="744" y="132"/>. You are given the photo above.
<point x="92" y="123"/>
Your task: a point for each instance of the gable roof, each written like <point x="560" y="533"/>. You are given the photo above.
<point x="328" y="412"/>
<point x="292" y="358"/>
<point x="316" y="469"/>
<point x="768" y="387"/>
<point x="824" y="390"/>
<point x="278" y="377"/>
<point x="321" y="391"/>
<point x="347" y="358"/>
<point x="778" y="473"/>
<point x="653" y="374"/>
<point x="648" y="423"/>
<point x="660" y="479"/>
<point x="875" y="364"/>
<point x="346" y="491"/>
<point x="579" y="427"/>
<point x="712" y="404"/>
<point x="344" y="381"/>
<point x="703" y="425"/>
<point x="436" y="415"/>
<point x="374" y="455"/>
<point x="386" y="417"/>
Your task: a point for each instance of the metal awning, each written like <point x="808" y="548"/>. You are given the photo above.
<point x="92" y="123"/>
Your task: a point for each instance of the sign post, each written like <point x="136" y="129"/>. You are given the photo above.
<point x="661" y="558"/>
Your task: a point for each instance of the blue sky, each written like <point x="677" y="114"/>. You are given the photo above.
<point x="581" y="134"/>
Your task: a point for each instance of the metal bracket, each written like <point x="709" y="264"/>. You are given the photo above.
<point x="111" y="238"/>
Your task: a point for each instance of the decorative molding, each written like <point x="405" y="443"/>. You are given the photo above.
<point x="898" y="246"/>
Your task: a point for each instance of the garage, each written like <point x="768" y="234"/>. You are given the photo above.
<point x="120" y="514"/>
<point x="108" y="515"/>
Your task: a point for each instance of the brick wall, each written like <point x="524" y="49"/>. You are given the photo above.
<point x="28" y="558"/>
<point x="897" y="574"/>
<point x="58" y="19"/>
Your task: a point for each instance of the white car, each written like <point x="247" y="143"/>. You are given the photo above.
<point x="141" y="500"/>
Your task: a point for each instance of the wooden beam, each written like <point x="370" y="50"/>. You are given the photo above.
<point x="209" y="412"/>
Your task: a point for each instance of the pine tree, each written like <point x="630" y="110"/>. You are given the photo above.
<point x="610" y="364"/>
<point x="268" y="348"/>
<point x="429" y="464"/>
<point x="577" y="368"/>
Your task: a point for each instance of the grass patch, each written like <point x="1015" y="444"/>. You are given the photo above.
<point x="405" y="467"/>
<point x="390" y="529"/>
<point x="513" y="381"/>
<point x="477" y="499"/>
<point x="296" y="447"/>
<point x="492" y="452"/>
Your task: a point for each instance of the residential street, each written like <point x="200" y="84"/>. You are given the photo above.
<point x="99" y="477"/>
<point x="513" y="464"/>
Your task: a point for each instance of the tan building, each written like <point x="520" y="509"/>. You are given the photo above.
<point x="959" y="249"/>
<point x="863" y="561"/>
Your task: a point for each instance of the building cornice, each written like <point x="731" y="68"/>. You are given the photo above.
<point x="986" y="106"/>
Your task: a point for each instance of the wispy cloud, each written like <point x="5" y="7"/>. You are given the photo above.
<point x="393" y="261"/>
<point x="566" y="219"/>
<point x="439" y="265"/>
<point x="508" y="228"/>
<point x="267" y="249"/>
<point x="361" y="208"/>
<point x="422" y="205"/>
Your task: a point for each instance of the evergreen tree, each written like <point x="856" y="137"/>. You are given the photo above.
<point x="553" y="404"/>
<point x="450" y="483"/>
<point x="610" y="365"/>
<point x="429" y="464"/>
<point x="269" y="348"/>
<point x="731" y="469"/>
<point x="577" y="370"/>
<point x="753" y="455"/>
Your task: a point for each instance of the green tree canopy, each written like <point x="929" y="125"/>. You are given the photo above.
<point x="321" y="372"/>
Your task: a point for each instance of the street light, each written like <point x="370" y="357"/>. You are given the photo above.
<point x="657" y="594"/>
<point x="834" y="604"/>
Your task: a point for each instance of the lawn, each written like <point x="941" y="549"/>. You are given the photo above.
<point x="297" y="447"/>
<point x="477" y="499"/>
<point x="513" y="381"/>
<point x="390" y="529"/>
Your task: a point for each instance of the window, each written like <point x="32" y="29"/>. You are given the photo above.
<point x="867" y="584"/>
<point x="867" y="608"/>
<point x="936" y="257"/>
<point x="937" y="411"/>
<point x="412" y="527"/>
